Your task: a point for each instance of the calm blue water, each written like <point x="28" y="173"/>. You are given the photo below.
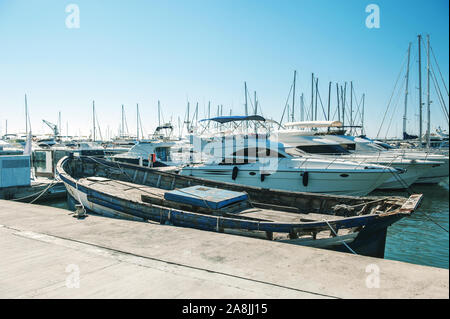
<point x="413" y="239"/>
<point x="418" y="240"/>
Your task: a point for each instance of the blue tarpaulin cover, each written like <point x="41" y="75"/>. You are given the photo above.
<point x="206" y="197"/>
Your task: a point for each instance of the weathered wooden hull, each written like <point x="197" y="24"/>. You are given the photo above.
<point x="370" y="228"/>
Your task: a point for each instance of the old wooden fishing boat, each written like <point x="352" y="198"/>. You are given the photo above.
<point x="345" y="223"/>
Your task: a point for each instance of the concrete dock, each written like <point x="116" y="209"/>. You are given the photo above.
<point x="46" y="253"/>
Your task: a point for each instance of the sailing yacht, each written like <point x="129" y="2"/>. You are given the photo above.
<point x="255" y="160"/>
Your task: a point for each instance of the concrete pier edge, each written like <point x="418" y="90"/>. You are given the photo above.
<point x="46" y="253"/>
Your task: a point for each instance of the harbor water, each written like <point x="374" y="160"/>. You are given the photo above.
<point x="417" y="239"/>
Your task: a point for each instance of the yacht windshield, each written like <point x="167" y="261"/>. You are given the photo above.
<point x="318" y="149"/>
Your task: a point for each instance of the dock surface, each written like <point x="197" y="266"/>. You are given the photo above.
<point x="46" y="253"/>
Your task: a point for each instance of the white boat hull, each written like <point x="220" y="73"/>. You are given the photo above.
<point x="354" y="183"/>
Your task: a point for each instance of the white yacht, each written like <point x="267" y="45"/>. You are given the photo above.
<point x="147" y="153"/>
<point x="254" y="160"/>
<point x="408" y="170"/>
<point x="438" y="172"/>
<point x="428" y="167"/>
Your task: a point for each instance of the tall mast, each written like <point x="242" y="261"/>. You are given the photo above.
<point x="246" y="105"/>
<point x="209" y="112"/>
<point x="343" y="95"/>
<point x="317" y="91"/>
<point x="337" y="96"/>
<point x="93" y="121"/>
<point x="362" y="115"/>
<point x="123" y="122"/>
<point x="406" y="93"/>
<point x="302" y="108"/>
<point x="428" y="93"/>
<point x="137" y="121"/>
<point x="256" y="104"/>
<point x="419" y="37"/>
<point x="312" y="97"/>
<point x="293" y="98"/>
<point x="329" y="101"/>
<point x="351" y="107"/>
<point x="26" y="115"/>
<point x="59" y="123"/>
<point x="159" y="113"/>
<point x="188" y="120"/>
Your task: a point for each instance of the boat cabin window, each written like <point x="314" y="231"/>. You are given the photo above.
<point x="323" y="149"/>
<point x="250" y="155"/>
<point x="349" y="146"/>
<point x="258" y="152"/>
<point x="163" y="153"/>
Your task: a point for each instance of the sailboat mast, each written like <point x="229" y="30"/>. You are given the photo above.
<point x="351" y="107"/>
<point x="406" y="93"/>
<point x="428" y="93"/>
<point x="26" y="115"/>
<point x="159" y="113"/>
<point x="93" y="122"/>
<point x="312" y="97"/>
<point x="329" y="101"/>
<point x="137" y="121"/>
<point x="337" y="97"/>
<point x="246" y="105"/>
<point x="362" y="114"/>
<point x="302" y="108"/>
<point x="293" y="97"/>
<point x="420" y="91"/>
<point x="123" y="122"/>
<point x="315" y="107"/>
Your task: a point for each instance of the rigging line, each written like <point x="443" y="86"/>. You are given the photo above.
<point x="390" y="99"/>
<point x="441" y="103"/>
<point x="442" y="227"/>
<point x="285" y="105"/>
<point x="358" y="106"/>
<point x="438" y="91"/>
<point x="395" y="107"/>
<point x="439" y="69"/>
<point x="320" y="99"/>
<point x="358" y="110"/>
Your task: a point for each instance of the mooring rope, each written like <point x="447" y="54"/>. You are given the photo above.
<point x="40" y="193"/>
<point x="345" y="244"/>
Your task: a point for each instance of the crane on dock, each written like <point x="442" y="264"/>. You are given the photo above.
<point x="54" y="127"/>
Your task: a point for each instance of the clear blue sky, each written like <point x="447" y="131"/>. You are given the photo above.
<point x="128" y="52"/>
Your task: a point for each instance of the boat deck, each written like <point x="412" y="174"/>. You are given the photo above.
<point x="153" y="195"/>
